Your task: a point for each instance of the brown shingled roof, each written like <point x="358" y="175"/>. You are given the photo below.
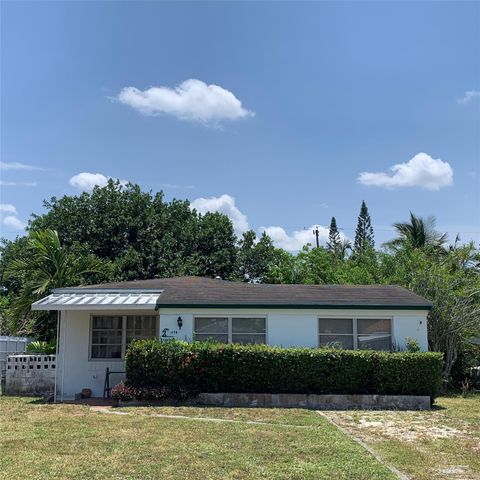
<point x="203" y="292"/>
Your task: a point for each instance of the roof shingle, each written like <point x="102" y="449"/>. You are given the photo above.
<point x="203" y="292"/>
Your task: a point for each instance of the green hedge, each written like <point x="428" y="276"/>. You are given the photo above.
<point x="213" y="367"/>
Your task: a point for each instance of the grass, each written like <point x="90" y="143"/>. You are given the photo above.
<point x="443" y="443"/>
<point x="72" y="441"/>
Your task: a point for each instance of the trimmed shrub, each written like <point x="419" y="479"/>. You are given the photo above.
<point x="213" y="367"/>
<point x="125" y="392"/>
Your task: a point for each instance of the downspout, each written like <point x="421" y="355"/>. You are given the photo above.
<point x="57" y="350"/>
<point x="63" y="354"/>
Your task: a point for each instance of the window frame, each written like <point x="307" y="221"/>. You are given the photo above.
<point x="230" y="325"/>
<point x="355" y="319"/>
<point x="124" y="333"/>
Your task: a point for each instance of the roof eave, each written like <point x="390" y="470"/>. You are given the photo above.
<point x="107" y="290"/>
<point x="296" y="306"/>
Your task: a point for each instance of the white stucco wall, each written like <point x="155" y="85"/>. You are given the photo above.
<point x="74" y="368"/>
<point x="288" y="328"/>
<point x="284" y="328"/>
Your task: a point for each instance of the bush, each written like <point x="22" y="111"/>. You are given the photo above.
<point x="126" y="393"/>
<point x="41" y="347"/>
<point x="468" y="357"/>
<point x="213" y="367"/>
<point x="412" y="345"/>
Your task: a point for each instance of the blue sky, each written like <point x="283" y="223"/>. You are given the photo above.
<point x="309" y="96"/>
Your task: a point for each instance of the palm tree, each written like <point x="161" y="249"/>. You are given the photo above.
<point x="417" y="233"/>
<point x="48" y="266"/>
<point x="344" y="246"/>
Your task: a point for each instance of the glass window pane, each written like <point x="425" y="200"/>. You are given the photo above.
<point x="248" y="325"/>
<point x="141" y="327"/>
<point x="107" y="336"/>
<point x="337" y="341"/>
<point x="114" y="351"/>
<point x="375" y="342"/>
<point x="106" y="351"/>
<point x="211" y="325"/>
<point x="211" y="337"/>
<point x="107" y="322"/>
<point x="336" y="325"/>
<point x="376" y="325"/>
<point x="246" y="338"/>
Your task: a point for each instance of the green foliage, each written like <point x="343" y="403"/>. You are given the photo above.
<point x="364" y="239"/>
<point x="127" y="393"/>
<point x="42" y="347"/>
<point x="141" y="234"/>
<point x="334" y="241"/>
<point x="468" y="358"/>
<point x="254" y="257"/>
<point x="213" y="367"/>
<point x="417" y="233"/>
<point x="412" y="345"/>
<point x="44" y="265"/>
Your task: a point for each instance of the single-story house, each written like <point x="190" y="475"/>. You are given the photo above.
<point x="97" y="322"/>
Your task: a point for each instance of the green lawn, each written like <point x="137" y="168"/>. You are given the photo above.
<point x="443" y="443"/>
<point x="39" y="441"/>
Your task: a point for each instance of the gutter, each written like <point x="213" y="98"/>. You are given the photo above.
<point x="295" y="306"/>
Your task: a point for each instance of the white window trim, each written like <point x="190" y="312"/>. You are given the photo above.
<point x="229" y="323"/>
<point x="354" y="319"/>
<point x="124" y="334"/>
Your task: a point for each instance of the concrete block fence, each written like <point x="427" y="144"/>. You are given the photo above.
<point x="30" y="375"/>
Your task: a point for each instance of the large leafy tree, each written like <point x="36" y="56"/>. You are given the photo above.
<point x="364" y="238"/>
<point x="142" y="234"/>
<point x="47" y="265"/>
<point x="417" y="233"/>
<point x="215" y="249"/>
<point x="451" y="280"/>
<point x="254" y="257"/>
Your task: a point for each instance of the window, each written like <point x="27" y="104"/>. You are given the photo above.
<point x="231" y="329"/>
<point x="374" y="334"/>
<point x="140" y="327"/>
<point x="249" y="330"/>
<point x="336" y="331"/>
<point x="215" y="329"/>
<point x="111" y="335"/>
<point x="356" y="333"/>
<point x="107" y="337"/>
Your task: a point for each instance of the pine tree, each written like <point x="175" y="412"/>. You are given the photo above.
<point x="364" y="240"/>
<point x="333" y="243"/>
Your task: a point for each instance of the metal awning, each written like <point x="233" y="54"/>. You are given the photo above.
<point x="89" y="300"/>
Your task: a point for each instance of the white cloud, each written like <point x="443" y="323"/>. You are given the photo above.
<point x="17" y="166"/>
<point x="17" y="184"/>
<point x="420" y="171"/>
<point x="297" y="239"/>
<point x="8" y="208"/>
<point x="224" y="204"/>
<point x="14" y="222"/>
<point x="192" y="100"/>
<point x="11" y="220"/>
<point x="469" y="96"/>
<point x="174" y="186"/>
<point x="86" y="181"/>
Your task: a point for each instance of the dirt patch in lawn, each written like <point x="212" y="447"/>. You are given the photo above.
<point x="404" y="426"/>
<point x="443" y="443"/>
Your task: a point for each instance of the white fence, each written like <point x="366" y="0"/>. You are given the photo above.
<point x="30" y="375"/>
<point x="9" y="346"/>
